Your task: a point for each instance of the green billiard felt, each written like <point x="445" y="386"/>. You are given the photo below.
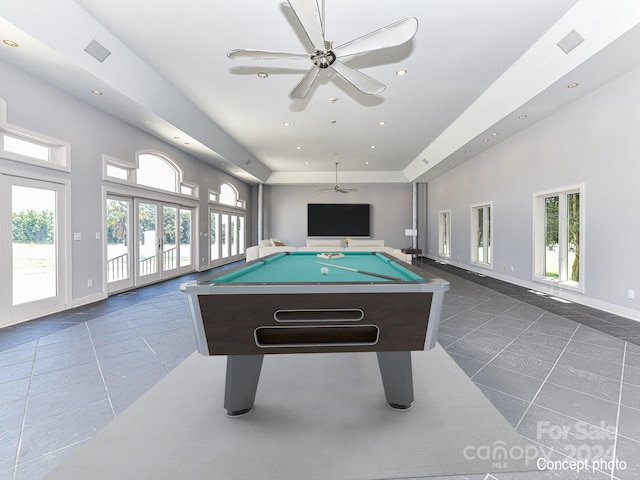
<point x="302" y="267"/>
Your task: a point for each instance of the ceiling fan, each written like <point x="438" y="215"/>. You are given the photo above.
<point x="325" y="56"/>
<point x="337" y="188"/>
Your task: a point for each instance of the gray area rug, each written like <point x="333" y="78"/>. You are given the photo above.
<point x="317" y="416"/>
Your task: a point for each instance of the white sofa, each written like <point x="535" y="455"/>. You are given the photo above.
<point x="270" y="246"/>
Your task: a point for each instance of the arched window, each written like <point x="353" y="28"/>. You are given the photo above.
<point x="158" y="172"/>
<point x="228" y="195"/>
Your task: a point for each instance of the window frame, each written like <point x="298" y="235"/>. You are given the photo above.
<point x="59" y="151"/>
<point x="487" y="239"/>
<point x="540" y="242"/>
<point x="131" y="169"/>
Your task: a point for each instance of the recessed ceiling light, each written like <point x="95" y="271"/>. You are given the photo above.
<point x="382" y="123"/>
<point x="10" y="43"/>
<point x="263" y="75"/>
<point x="148" y="121"/>
<point x="306" y="163"/>
<point x="373" y="146"/>
<point x="572" y="85"/>
<point x="298" y="148"/>
<point x="401" y="72"/>
<point x="366" y="163"/>
<point x="96" y="92"/>
<point x="495" y="134"/>
<point x="333" y="100"/>
<point x="286" y="124"/>
<point x="467" y="151"/>
<point x="485" y="139"/>
<point x="522" y="117"/>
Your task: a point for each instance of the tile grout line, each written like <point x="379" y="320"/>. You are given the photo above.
<point x="546" y="378"/>
<point x="26" y="408"/>
<point x="506" y="346"/>
<point x="104" y="383"/>
<point x="615" y="439"/>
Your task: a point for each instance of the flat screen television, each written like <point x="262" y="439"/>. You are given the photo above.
<point x="338" y="220"/>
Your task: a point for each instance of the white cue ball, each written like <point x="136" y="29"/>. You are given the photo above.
<point x="324" y="270"/>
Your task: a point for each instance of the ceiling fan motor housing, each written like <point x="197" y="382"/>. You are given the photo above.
<point x="323" y="59"/>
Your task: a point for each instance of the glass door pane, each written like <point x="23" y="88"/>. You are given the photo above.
<point x="185" y="238"/>
<point x="33" y="214"/>
<point x="215" y="235"/>
<point x="118" y="240"/>
<point x="224" y="234"/>
<point x="552" y="238"/>
<point x="241" y="235"/>
<point x="33" y="278"/>
<point x="147" y="239"/>
<point x="169" y="238"/>
<point x="233" y="222"/>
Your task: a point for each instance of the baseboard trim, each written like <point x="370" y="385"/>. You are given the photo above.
<point x="548" y="290"/>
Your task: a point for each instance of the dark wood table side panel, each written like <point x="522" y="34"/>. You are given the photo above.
<point x="230" y="320"/>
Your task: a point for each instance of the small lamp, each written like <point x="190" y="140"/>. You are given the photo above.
<point x="411" y="232"/>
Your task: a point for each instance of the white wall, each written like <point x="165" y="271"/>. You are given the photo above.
<point x="286" y="210"/>
<point x="594" y="141"/>
<point x="39" y="107"/>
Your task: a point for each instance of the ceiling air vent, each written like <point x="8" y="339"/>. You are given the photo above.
<point x="97" y="51"/>
<point x="570" y="41"/>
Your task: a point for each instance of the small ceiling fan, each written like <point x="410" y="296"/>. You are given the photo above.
<point x="337" y="188"/>
<point x="325" y="56"/>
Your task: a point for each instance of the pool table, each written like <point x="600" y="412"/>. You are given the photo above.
<point x="311" y="302"/>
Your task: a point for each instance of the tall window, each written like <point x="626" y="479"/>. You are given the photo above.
<point x="558" y="234"/>
<point x="481" y="231"/>
<point x="444" y="234"/>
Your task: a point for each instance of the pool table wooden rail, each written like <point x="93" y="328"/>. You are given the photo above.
<point x="234" y="326"/>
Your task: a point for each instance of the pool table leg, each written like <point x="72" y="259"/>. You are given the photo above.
<point x="243" y="373"/>
<point x="397" y="379"/>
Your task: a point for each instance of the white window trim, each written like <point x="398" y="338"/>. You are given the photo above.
<point x="59" y="150"/>
<point x="214" y="199"/>
<point x="441" y="231"/>
<point x="539" y="240"/>
<point x="474" y="230"/>
<point x="131" y="167"/>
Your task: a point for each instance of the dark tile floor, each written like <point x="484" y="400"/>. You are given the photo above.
<point x="569" y="388"/>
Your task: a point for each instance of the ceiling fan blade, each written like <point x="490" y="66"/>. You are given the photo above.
<point x="308" y="14"/>
<point x="264" y="54"/>
<point x="362" y="82"/>
<point x="385" y="37"/>
<point x="301" y="90"/>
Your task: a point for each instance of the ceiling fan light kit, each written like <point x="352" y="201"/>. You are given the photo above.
<point x="325" y="56"/>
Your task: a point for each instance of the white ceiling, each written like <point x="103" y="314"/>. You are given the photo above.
<point x="474" y="67"/>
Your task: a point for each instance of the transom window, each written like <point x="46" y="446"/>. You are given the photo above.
<point x="153" y="170"/>
<point x="158" y="172"/>
<point x="21" y="145"/>
<point x="228" y="196"/>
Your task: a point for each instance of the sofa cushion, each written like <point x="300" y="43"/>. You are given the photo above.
<point x="324" y="243"/>
<point x="320" y="249"/>
<point x="366" y="243"/>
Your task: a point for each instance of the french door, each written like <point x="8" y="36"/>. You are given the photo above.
<point x="160" y="245"/>
<point x="33" y="246"/>
<point x="227" y="236"/>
